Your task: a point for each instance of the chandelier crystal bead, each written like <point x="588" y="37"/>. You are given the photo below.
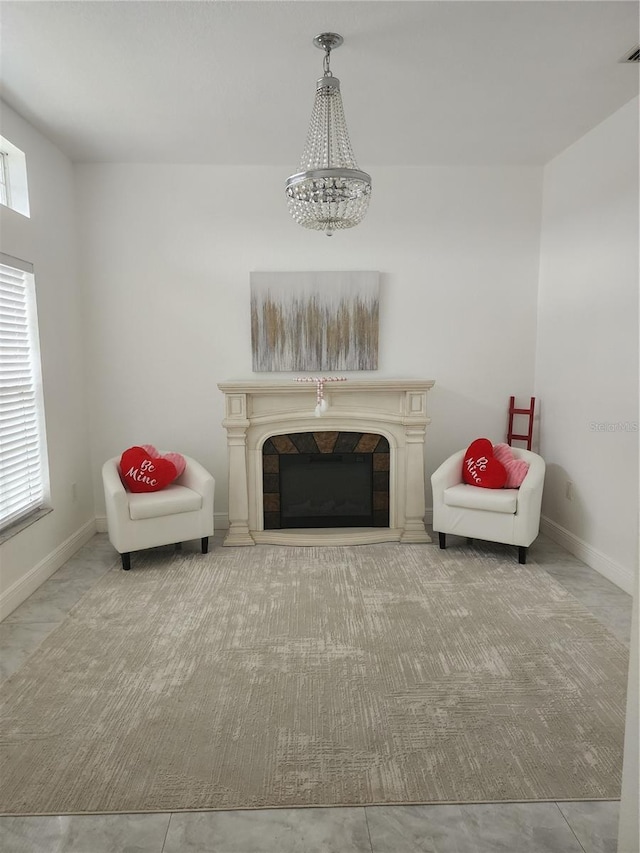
<point x="329" y="192"/>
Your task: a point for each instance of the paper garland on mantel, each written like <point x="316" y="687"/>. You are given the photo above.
<point x="321" y="403"/>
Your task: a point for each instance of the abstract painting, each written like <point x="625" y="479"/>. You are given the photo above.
<point x="302" y="321"/>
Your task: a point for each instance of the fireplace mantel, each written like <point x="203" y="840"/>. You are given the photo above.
<point x="394" y="408"/>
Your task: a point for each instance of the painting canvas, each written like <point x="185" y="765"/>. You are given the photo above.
<point x="314" y="321"/>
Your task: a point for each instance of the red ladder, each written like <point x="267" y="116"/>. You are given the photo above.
<point x="511" y="435"/>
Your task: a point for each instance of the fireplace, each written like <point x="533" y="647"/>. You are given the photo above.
<point x="384" y="420"/>
<point x="325" y="480"/>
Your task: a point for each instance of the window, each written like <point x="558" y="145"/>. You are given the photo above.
<point x="4" y="179"/>
<point x="14" y="192"/>
<point x="23" y="462"/>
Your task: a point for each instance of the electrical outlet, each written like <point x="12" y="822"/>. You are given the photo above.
<point x="568" y="492"/>
<point x="74" y="492"/>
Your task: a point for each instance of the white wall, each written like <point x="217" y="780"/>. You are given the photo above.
<point x="48" y="240"/>
<point x="166" y="253"/>
<point x="587" y="347"/>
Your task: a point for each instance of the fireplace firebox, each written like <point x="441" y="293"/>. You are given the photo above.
<point x="325" y="479"/>
<point x="326" y="490"/>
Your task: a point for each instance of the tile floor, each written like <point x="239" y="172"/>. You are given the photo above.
<point x="572" y="827"/>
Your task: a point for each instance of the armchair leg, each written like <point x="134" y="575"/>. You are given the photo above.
<point x="522" y="554"/>
<point x="442" y="538"/>
<point x="205" y="544"/>
<point x="126" y="561"/>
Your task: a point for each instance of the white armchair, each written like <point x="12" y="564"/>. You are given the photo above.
<point x="180" y="512"/>
<point x="511" y="516"/>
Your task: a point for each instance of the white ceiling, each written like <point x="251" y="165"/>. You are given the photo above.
<point x="450" y="82"/>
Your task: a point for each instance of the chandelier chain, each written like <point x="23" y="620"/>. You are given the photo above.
<point x="328" y="132"/>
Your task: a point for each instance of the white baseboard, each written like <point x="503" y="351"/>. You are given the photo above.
<point x="23" y="588"/>
<point x="220" y="521"/>
<point x="620" y="575"/>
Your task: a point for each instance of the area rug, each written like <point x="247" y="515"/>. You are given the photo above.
<point x="276" y="676"/>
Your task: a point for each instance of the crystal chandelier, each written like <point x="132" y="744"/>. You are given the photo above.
<point x="329" y="192"/>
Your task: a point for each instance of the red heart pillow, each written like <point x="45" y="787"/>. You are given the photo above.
<point x="142" y="472"/>
<point x="179" y="461"/>
<point x="481" y="468"/>
<point x="516" y="469"/>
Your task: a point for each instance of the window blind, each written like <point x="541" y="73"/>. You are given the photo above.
<point x="21" y="415"/>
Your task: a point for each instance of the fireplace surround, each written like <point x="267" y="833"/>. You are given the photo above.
<point x="259" y="413"/>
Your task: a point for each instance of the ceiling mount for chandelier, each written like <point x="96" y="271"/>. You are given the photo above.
<point x="329" y="193"/>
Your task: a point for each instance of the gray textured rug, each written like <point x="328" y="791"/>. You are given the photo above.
<point x="275" y="676"/>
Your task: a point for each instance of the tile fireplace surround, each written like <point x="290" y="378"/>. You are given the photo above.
<point x="394" y="408"/>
